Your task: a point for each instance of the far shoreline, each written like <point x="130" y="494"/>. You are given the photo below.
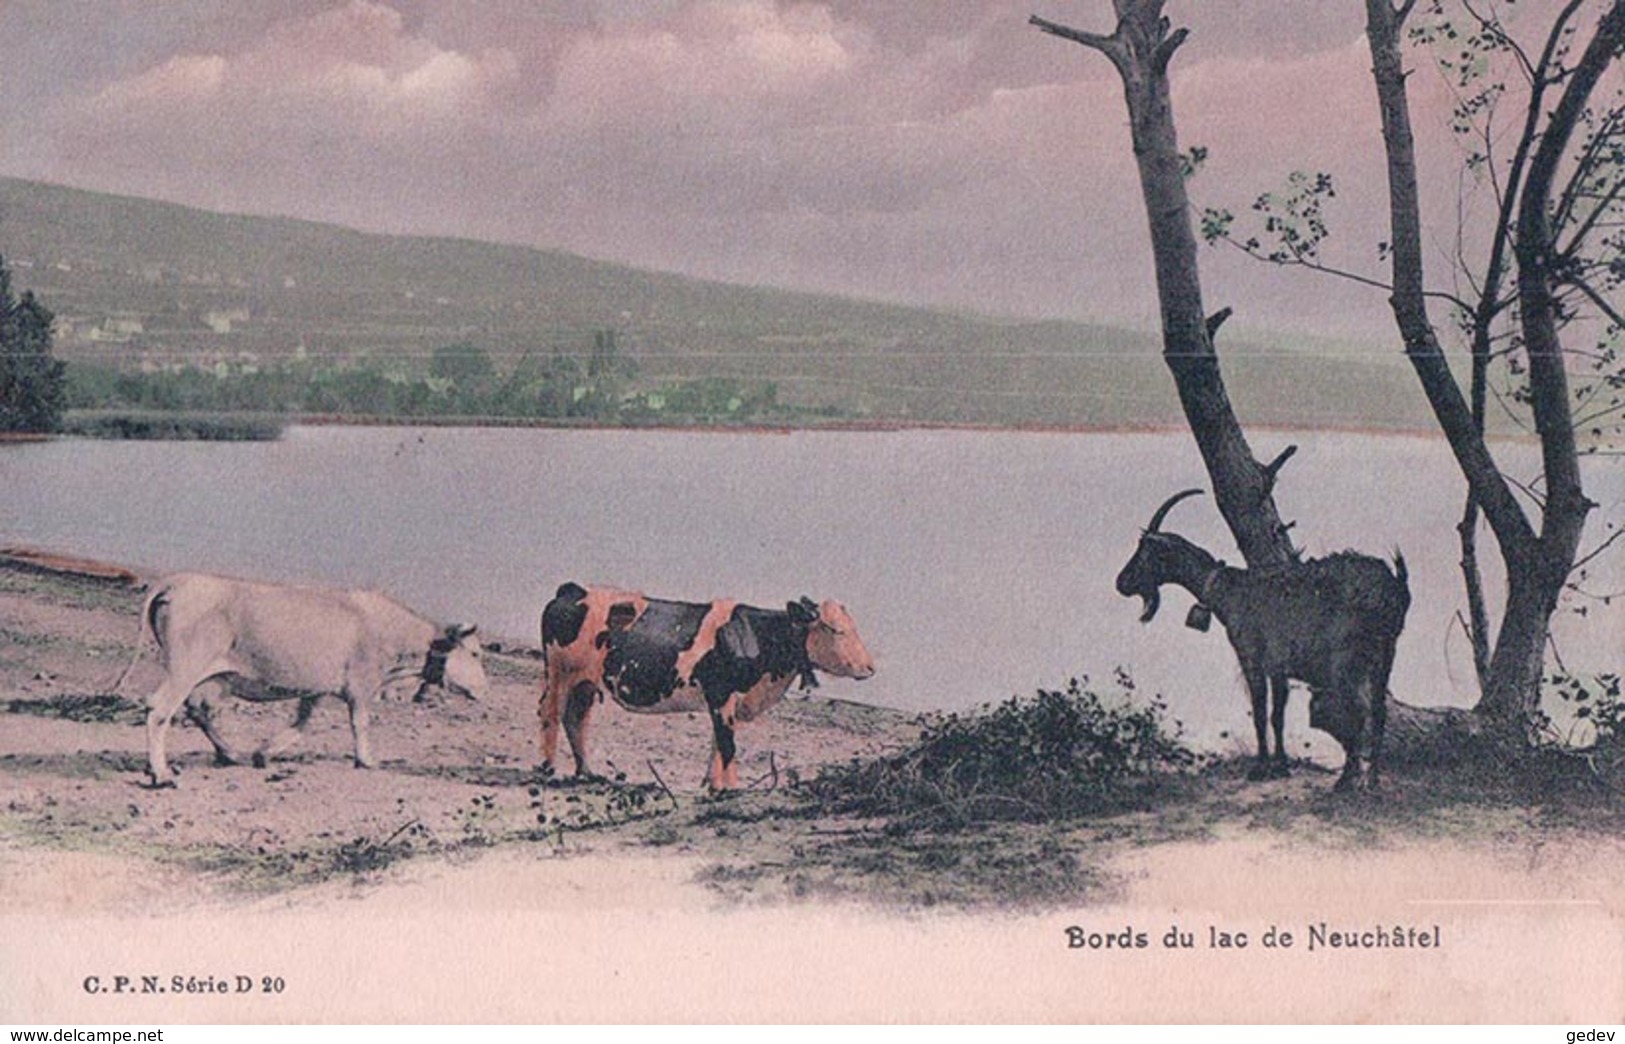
<point x="754" y="428"/>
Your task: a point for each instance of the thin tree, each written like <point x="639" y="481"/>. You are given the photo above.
<point x="1140" y="49"/>
<point x="1553" y="199"/>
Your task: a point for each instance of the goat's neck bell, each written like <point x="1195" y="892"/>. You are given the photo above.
<point x="1199" y="618"/>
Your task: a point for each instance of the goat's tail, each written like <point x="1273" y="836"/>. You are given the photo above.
<point x="1403" y="575"/>
<point x="146" y="627"/>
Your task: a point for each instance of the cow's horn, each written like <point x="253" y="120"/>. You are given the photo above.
<point x="1167" y="505"/>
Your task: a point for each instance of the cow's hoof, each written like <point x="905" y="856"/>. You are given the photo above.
<point x="1280" y="770"/>
<point x="154" y="783"/>
<point x="365" y="763"/>
<point x="1258" y="773"/>
<point x="259" y="759"/>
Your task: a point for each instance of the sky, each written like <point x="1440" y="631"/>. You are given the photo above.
<point x="938" y="153"/>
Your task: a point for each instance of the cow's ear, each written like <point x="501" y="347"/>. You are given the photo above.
<point x="804" y="611"/>
<point x="457" y="632"/>
<point x="738" y="639"/>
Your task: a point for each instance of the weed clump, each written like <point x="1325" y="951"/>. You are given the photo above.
<point x="1597" y="734"/>
<point x="89" y="707"/>
<point x="1058" y="755"/>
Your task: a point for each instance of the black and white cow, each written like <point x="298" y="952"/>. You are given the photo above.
<point x="655" y="656"/>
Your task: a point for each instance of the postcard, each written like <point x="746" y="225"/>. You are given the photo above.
<point x="744" y="511"/>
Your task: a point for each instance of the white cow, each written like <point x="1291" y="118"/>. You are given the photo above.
<point x="269" y="642"/>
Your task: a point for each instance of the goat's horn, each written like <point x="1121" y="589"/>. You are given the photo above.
<point x="1167" y="505"/>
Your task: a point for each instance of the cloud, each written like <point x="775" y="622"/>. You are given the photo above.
<point x="940" y="153"/>
<point x="352" y="71"/>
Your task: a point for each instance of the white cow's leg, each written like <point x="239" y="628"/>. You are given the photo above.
<point x="358" y="729"/>
<point x="284" y="740"/>
<point x="161" y="707"/>
<point x="200" y="707"/>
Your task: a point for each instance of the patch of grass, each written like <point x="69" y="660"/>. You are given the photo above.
<point x="102" y="707"/>
<point x="992" y="866"/>
<point x="1053" y="757"/>
<point x="104" y="765"/>
<point x="571" y="806"/>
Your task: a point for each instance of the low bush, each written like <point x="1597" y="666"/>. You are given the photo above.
<point x="1054" y="756"/>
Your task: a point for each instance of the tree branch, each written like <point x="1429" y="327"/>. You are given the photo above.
<point x="1339" y="273"/>
<point x="1165" y="50"/>
<point x="1602" y="304"/>
<point x="1110" y="46"/>
<point x="1273" y="468"/>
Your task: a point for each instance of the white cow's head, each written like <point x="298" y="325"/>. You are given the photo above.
<point x="456" y="663"/>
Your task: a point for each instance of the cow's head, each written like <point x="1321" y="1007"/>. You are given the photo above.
<point x="1150" y="567"/>
<point x="833" y="644"/>
<point x="456" y="663"/>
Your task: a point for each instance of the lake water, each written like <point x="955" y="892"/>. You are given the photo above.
<point x="977" y="564"/>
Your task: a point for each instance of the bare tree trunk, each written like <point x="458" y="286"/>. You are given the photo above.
<point x="1140" y="49"/>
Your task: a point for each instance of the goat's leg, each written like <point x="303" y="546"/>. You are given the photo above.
<point x="1280" y="689"/>
<point x="1379" y="709"/>
<point x="1355" y="691"/>
<point x="1379" y="725"/>
<point x="1258" y="689"/>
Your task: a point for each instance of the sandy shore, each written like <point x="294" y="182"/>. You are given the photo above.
<point x="428" y="891"/>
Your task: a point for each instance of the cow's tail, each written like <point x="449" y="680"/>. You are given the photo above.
<point x="157" y="600"/>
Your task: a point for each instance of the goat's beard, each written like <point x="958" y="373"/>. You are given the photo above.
<point x="1153" y="602"/>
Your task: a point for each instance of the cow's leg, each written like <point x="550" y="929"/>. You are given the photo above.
<point x="284" y="740"/>
<point x="200" y="707"/>
<point x="161" y="707"/>
<point x="549" y="709"/>
<point x="723" y="773"/>
<point x="1258" y="689"/>
<point x="358" y="729"/>
<point x="1280" y="689"/>
<point x="576" y="712"/>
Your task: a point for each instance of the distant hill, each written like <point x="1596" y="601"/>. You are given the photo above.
<point x="135" y="281"/>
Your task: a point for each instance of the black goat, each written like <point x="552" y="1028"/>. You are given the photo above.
<point x="1330" y="622"/>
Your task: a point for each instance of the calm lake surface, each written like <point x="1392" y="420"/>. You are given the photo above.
<point x="977" y="564"/>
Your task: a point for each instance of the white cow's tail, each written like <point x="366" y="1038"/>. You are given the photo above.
<point x="146" y="627"/>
